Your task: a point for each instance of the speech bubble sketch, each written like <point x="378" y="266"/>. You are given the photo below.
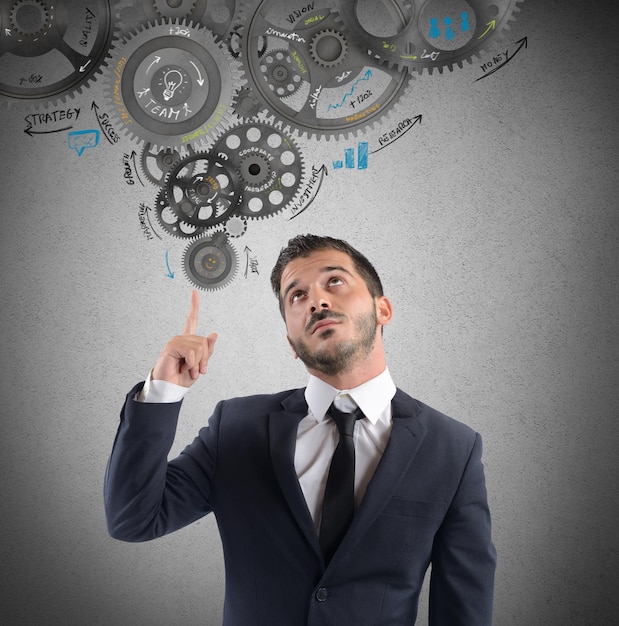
<point x="79" y="140"/>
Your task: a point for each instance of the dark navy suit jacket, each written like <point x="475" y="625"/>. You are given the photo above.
<point x="426" y="505"/>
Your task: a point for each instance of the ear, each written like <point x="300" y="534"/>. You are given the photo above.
<point x="294" y="354"/>
<point x="384" y="310"/>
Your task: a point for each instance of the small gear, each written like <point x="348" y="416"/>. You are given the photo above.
<point x="430" y="34"/>
<point x="171" y="84"/>
<point x="342" y="88"/>
<point x="157" y="164"/>
<point x="269" y="164"/>
<point x="280" y="73"/>
<point x="247" y="105"/>
<point x="210" y="263"/>
<point x="30" y="18"/>
<point x="51" y="50"/>
<point x="203" y="190"/>
<point x="255" y="169"/>
<point x="236" y="226"/>
<point x="170" y="221"/>
<point x="328" y="48"/>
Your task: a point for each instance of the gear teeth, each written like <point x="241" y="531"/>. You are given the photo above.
<point x="171" y="112"/>
<point x="321" y="107"/>
<point x="270" y="165"/>
<point x="210" y="263"/>
<point x="182" y="11"/>
<point x="203" y="190"/>
<point x="410" y="39"/>
<point x="236" y="226"/>
<point x="170" y="221"/>
<point x="31" y="46"/>
<point x="329" y="48"/>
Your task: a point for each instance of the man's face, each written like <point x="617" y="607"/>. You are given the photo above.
<point x="330" y="314"/>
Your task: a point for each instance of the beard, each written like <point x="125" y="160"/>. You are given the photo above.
<point x="339" y="356"/>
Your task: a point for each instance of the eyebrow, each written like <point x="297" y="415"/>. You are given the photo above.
<point x="323" y="270"/>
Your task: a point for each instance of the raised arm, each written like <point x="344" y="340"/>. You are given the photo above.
<point x="144" y="496"/>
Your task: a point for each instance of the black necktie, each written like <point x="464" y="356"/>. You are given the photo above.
<point x="339" y="501"/>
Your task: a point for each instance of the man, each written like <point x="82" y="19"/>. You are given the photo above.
<point x="417" y="495"/>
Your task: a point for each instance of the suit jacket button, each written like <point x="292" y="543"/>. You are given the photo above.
<point x="321" y="594"/>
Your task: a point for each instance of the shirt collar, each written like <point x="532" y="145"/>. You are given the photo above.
<point x="372" y="397"/>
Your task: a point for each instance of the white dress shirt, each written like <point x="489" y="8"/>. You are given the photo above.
<point x="317" y="434"/>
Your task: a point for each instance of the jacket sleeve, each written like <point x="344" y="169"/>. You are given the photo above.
<point x="145" y="496"/>
<point x="463" y="556"/>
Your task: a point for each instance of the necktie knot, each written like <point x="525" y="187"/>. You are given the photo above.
<point x="345" y="422"/>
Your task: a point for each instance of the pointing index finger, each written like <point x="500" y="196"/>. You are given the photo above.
<point x="191" y="324"/>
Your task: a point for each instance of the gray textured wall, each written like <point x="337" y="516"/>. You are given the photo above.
<point x="494" y="225"/>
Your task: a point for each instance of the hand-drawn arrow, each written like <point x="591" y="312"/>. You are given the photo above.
<point x="155" y="62"/>
<point x="522" y="42"/>
<point x="170" y="273"/>
<point x="200" y="80"/>
<point x="323" y="171"/>
<point x="491" y="26"/>
<point x="135" y="167"/>
<point x="31" y="132"/>
<point x="147" y="210"/>
<point x="95" y="108"/>
<point x="415" y="120"/>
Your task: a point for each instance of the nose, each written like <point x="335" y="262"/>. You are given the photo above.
<point x="319" y="300"/>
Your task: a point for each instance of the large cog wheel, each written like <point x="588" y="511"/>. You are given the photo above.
<point x="216" y="15"/>
<point x="171" y="84"/>
<point x="429" y="34"/>
<point x="268" y="163"/>
<point x="343" y="89"/>
<point x="210" y="263"/>
<point x="51" y="49"/>
<point x="203" y="190"/>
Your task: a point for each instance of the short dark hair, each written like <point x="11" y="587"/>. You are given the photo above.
<point x="304" y="245"/>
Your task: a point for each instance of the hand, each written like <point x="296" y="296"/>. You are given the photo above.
<point x="185" y="356"/>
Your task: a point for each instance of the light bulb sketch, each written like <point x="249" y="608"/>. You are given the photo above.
<point x="172" y="80"/>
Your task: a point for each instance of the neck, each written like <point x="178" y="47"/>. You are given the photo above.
<point x="359" y="373"/>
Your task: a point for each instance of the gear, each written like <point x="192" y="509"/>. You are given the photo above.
<point x="236" y="226"/>
<point x="216" y="15"/>
<point x="328" y="48"/>
<point x="51" y="50"/>
<point x="170" y="221"/>
<point x="157" y="164"/>
<point x="430" y="35"/>
<point x="174" y="9"/>
<point x="203" y="190"/>
<point x="210" y="262"/>
<point x="280" y="73"/>
<point x="171" y="84"/>
<point x="30" y="18"/>
<point x="342" y="89"/>
<point x="268" y="163"/>
<point x="247" y="105"/>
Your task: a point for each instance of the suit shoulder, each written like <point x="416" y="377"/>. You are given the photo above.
<point x="266" y="402"/>
<point x="433" y="419"/>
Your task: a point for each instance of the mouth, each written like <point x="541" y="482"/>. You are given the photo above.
<point x="323" y="324"/>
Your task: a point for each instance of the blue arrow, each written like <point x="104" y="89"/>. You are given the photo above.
<point x="170" y="273"/>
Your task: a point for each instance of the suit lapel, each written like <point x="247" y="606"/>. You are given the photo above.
<point x="283" y="427"/>
<point x="406" y="436"/>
